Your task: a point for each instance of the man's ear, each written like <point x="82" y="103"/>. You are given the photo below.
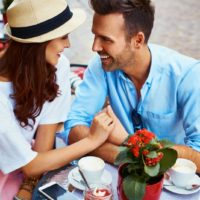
<point x="138" y="40"/>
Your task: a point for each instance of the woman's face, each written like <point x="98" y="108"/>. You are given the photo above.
<point x="55" y="47"/>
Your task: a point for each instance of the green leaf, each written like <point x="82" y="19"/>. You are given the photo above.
<point x="168" y="160"/>
<point x="153" y="141"/>
<point x="133" y="188"/>
<point x="152" y="154"/>
<point x="166" y="143"/>
<point x="133" y="167"/>
<point x="153" y="170"/>
<point x="123" y="156"/>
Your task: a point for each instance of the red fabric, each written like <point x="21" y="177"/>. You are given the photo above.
<point x="79" y="71"/>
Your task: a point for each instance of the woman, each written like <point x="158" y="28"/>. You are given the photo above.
<point x="35" y="94"/>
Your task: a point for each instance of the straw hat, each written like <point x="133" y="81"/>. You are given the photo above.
<point x="41" y="20"/>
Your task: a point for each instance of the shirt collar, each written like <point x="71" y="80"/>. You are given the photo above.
<point x="121" y="74"/>
<point x="154" y="63"/>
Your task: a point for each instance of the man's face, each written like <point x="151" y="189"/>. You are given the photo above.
<point x="110" y="42"/>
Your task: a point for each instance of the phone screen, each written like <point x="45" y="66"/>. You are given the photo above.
<point x="54" y="191"/>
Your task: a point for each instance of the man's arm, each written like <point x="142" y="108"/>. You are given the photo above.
<point x="188" y="153"/>
<point x="107" y="151"/>
<point x="188" y="97"/>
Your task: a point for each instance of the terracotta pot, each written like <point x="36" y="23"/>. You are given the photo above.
<point x="152" y="192"/>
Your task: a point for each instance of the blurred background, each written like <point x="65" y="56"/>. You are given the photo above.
<point x="177" y="25"/>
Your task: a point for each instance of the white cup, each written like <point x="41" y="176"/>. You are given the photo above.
<point x="92" y="168"/>
<point x="182" y="172"/>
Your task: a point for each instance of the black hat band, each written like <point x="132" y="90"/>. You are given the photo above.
<point x="43" y="27"/>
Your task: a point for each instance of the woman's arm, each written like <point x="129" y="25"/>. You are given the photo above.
<point x="101" y="128"/>
<point x="45" y="137"/>
<point x="44" y="141"/>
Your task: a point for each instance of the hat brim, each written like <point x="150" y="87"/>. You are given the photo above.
<point x="77" y="19"/>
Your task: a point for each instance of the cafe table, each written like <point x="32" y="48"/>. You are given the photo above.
<point x="61" y="176"/>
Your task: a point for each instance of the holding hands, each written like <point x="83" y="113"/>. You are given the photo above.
<point x="118" y="134"/>
<point x="102" y="126"/>
<point x="106" y="126"/>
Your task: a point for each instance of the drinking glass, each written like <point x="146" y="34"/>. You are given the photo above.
<point x="98" y="192"/>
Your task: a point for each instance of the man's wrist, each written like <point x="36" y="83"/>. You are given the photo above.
<point x="125" y="142"/>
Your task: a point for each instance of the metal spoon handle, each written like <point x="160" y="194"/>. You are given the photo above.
<point x="84" y="179"/>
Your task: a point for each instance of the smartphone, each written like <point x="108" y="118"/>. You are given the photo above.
<point x="54" y="191"/>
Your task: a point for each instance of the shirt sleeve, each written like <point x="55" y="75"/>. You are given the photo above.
<point x="15" y="150"/>
<point x="189" y="98"/>
<point x="90" y="97"/>
<point x="57" y="110"/>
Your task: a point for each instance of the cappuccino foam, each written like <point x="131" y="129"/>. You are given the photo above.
<point x="183" y="169"/>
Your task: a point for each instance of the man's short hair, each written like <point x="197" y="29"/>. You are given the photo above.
<point x="138" y="14"/>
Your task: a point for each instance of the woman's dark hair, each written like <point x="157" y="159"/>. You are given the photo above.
<point x="138" y="14"/>
<point x="33" y="79"/>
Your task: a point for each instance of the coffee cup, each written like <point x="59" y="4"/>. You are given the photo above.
<point x="182" y="171"/>
<point x="92" y="168"/>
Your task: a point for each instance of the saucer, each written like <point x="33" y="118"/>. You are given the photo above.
<point x="180" y="190"/>
<point x="68" y="196"/>
<point x="76" y="180"/>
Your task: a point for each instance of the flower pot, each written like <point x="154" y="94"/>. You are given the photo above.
<point x="152" y="191"/>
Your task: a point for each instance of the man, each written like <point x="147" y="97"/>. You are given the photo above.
<point x="147" y="85"/>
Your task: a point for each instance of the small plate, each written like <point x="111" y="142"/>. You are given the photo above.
<point x="68" y="196"/>
<point x="179" y="190"/>
<point x="76" y="180"/>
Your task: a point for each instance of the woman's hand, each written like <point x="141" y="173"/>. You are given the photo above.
<point x="101" y="128"/>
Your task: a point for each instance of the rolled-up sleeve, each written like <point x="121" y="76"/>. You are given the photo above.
<point x="189" y="98"/>
<point x="90" y="97"/>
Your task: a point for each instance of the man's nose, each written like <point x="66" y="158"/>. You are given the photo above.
<point x="97" y="45"/>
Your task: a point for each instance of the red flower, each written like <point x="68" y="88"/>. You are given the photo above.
<point x="145" y="152"/>
<point x="153" y="161"/>
<point x="146" y="136"/>
<point x="139" y="140"/>
<point x="135" y="150"/>
<point x="133" y="140"/>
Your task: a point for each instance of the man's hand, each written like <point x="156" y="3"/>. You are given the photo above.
<point x="188" y="153"/>
<point x="118" y="134"/>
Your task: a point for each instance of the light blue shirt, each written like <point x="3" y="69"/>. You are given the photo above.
<point x="169" y="103"/>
